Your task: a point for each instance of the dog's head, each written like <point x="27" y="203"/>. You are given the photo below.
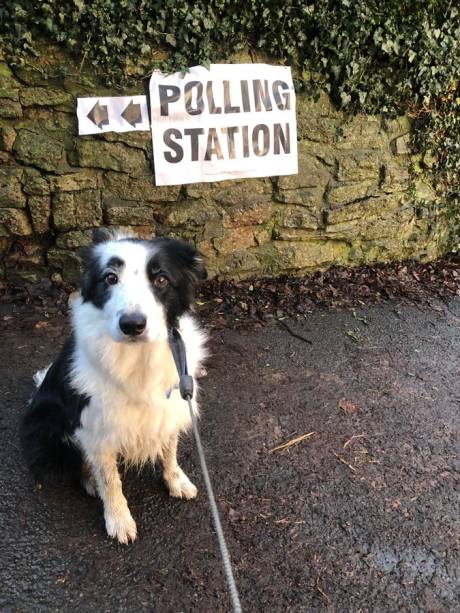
<point x="140" y="287"/>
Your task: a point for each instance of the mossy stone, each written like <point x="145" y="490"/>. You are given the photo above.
<point x="40" y="211"/>
<point x="38" y="149"/>
<point x="11" y="194"/>
<point x="111" y="156"/>
<point x="15" y="222"/>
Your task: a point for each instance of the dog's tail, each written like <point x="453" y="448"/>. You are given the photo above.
<point x="48" y="452"/>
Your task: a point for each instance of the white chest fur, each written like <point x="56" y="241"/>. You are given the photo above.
<point x="129" y="412"/>
<point x="138" y="432"/>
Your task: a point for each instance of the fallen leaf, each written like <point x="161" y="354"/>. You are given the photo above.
<point x="354" y="335"/>
<point x="363" y="319"/>
<point x="347" y="406"/>
<point x="42" y="324"/>
<point x="235" y="515"/>
<point x="279" y="376"/>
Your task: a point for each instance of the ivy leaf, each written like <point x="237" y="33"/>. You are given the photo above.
<point x="171" y="39"/>
<point x="345" y="98"/>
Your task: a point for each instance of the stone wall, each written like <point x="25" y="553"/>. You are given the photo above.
<point x="351" y="203"/>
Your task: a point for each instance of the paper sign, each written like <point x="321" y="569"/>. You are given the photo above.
<point x="114" y="114"/>
<point x="227" y="122"/>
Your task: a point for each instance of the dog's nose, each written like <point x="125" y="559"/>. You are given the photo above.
<point x="132" y="324"/>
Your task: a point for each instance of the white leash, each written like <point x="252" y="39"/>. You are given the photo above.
<point x="186" y="390"/>
<point x="216" y="518"/>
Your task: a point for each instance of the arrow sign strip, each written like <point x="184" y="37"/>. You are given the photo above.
<point x="115" y="113"/>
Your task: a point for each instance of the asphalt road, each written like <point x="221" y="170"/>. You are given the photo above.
<point x="361" y="515"/>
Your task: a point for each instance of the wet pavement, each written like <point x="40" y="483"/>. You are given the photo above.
<point x="360" y="515"/>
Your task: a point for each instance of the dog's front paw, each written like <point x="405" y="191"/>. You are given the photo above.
<point x="179" y="485"/>
<point x="121" y="525"/>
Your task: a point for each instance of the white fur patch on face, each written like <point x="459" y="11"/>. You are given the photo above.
<point x="133" y="293"/>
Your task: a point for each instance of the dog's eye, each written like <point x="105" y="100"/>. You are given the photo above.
<point x="161" y="281"/>
<point x="111" y="278"/>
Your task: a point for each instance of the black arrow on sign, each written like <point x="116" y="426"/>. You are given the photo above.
<point x="99" y="115"/>
<point x="132" y="113"/>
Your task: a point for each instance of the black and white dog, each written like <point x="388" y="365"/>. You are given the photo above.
<point x="112" y="392"/>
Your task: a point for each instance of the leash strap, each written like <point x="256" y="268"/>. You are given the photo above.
<point x="180" y="358"/>
<point x="186" y="389"/>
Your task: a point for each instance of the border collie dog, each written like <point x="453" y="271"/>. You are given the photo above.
<point x="112" y="393"/>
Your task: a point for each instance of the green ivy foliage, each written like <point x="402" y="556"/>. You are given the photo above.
<point x="374" y="54"/>
<point x="385" y="56"/>
<point x="438" y="136"/>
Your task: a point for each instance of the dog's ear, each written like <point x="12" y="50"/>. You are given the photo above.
<point x="86" y="254"/>
<point x="194" y="262"/>
<point x="102" y="235"/>
<point x="197" y="266"/>
<point x="187" y="258"/>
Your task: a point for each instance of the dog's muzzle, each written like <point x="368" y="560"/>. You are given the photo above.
<point x="133" y="324"/>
